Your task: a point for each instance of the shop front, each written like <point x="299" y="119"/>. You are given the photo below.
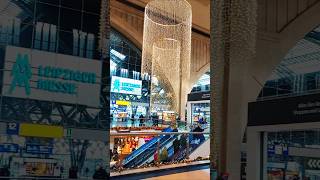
<point x="129" y="102"/>
<point x="122" y="146"/>
<point x="198" y="107"/>
<point x="45" y="151"/>
<point x="283" y="138"/>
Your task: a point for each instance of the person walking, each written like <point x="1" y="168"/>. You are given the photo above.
<point x="141" y="119"/>
<point x="100" y="174"/>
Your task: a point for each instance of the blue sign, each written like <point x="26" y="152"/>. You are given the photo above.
<point x="126" y="85"/>
<point x="12" y="128"/>
<point x="279" y="149"/>
<point x="38" y="149"/>
<point x="9" y="147"/>
<point x="271" y="149"/>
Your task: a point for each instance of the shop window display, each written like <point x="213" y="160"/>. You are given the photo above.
<point x="200" y="112"/>
<point x="125" y="145"/>
<point x="281" y="164"/>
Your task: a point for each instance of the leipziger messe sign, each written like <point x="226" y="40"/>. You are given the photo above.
<point x="48" y="76"/>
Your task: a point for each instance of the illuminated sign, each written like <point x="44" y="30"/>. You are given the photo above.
<point x="126" y="85"/>
<point x="48" y="76"/>
<point x="38" y="149"/>
<point x="9" y="147"/>
<point x="123" y="103"/>
<point x="38" y="130"/>
<point x="13" y="128"/>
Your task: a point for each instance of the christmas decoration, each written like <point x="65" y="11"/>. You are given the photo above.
<point x="233" y="38"/>
<point x="166" y="50"/>
<point x="119" y="168"/>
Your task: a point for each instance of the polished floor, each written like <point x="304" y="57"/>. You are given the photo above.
<point x="192" y="175"/>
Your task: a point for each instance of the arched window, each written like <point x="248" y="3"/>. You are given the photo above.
<point x="125" y="57"/>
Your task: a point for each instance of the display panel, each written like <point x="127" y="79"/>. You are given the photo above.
<point x="48" y="76"/>
<point x="126" y="85"/>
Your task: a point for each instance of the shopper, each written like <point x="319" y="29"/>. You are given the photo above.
<point x="115" y="155"/>
<point x="61" y="170"/>
<point x="4" y="172"/>
<point x="132" y="119"/>
<point x="73" y="173"/>
<point x="141" y="119"/>
<point x="100" y="173"/>
<point x="199" y="136"/>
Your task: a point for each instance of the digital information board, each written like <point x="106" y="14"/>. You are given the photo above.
<point x="126" y="85"/>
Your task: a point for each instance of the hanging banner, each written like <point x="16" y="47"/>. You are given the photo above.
<point x="49" y="76"/>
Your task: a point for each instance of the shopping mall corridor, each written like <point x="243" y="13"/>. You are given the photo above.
<point x="200" y="174"/>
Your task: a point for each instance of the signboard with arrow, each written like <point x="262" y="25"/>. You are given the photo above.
<point x="312" y="164"/>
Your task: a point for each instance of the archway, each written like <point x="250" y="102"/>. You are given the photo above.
<point x="292" y="81"/>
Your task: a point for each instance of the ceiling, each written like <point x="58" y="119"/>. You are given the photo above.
<point x="200" y="13"/>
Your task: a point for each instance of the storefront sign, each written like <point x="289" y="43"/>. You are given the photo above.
<point x="68" y="133"/>
<point x="51" y="77"/>
<point x="199" y="96"/>
<point x="123" y="103"/>
<point x="271" y="149"/>
<point x="9" y="147"/>
<point x="12" y="128"/>
<point x="38" y="130"/>
<point x="312" y="164"/>
<point x="38" y="149"/>
<point x="126" y="85"/>
<point x="298" y="109"/>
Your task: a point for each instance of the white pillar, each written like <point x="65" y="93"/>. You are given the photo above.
<point x="253" y="154"/>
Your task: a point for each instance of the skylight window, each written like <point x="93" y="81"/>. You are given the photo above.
<point x="117" y="54"/>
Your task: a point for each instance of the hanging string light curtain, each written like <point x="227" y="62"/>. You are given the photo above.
<point x="167" y="47"/>
<point x="233" y="43"/>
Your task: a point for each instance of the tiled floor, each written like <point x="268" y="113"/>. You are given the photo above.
<point x="191" y="175"/>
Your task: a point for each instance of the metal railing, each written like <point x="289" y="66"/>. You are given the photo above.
<point x="152" y="123"/>
<point x="291" y="94"/>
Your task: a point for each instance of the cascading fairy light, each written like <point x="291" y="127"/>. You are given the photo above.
<point x="233" y="41"/>
<point x="166" y="49"/>
<point x="104" y="25"/>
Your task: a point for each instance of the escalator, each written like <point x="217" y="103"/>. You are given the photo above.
<point x="145" y="152"/>
<point x="194" y="143"/>
<point x="201" y="151"/>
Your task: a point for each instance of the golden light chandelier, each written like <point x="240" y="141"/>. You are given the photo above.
<point x="166" y="49"/>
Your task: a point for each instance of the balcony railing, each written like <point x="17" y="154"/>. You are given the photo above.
<point x="163" y="148"/>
